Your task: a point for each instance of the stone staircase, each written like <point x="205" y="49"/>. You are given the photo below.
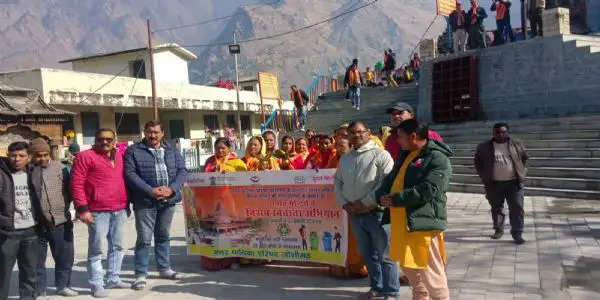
<point x="332" y="109"/>
<point x="564" y="155"/>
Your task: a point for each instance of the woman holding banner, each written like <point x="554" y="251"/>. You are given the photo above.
<point x="286" y="153"/>
<point x="320" y="158"/>
<point x="223" y="161"/>
<point x="300" y="160"/>
<point x="256" y="158"/>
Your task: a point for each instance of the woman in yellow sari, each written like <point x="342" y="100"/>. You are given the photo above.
<point x="223" y="161"/>
<point x="256" y="158"/>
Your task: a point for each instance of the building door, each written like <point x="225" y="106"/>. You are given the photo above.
<point x="90" y="123"/>
<point x="176" y="129"/>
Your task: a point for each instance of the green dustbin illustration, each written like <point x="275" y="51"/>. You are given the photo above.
<point x="314" y="241"/>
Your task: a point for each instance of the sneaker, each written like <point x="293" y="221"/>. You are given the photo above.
<point x="139" y="284"/>
<point x="497" y="235"/>
<point x="67" y="292"/>
<point x="519" y="240"/>
<point x="118" y="285"/>
<point x="169" y="274"/>
<point x="99" y="292"/>
<point x="357" y="108"/>
<point x="371" y="294"/>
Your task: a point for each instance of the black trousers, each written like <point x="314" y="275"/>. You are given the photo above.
<point x="476" y="38"/>
<point x="60" y="239"/>
<point x="22" y="248"/>
<point x="512" y="192"/>
<point x="535" y="19"/>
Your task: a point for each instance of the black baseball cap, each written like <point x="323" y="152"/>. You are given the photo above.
<point x="401" y="106"/>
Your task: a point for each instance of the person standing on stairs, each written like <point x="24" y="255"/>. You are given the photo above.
<point x="300" y="99"/>
<point x="475" y="26"/>
<point x="501" y="165"/>
<point x="502" y="9"/>
<point x="536" y="9"/>
<point x="353" y="80"/>
<point x="459" y="28"/>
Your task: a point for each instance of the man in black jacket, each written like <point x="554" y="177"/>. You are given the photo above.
<point x="20" y="220"/>
<point x="458" y="25"/>
<point x="500" y="163"/>
<point x="476" y="28"/>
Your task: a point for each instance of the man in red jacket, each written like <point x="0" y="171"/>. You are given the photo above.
<point x="402" y="111"/>
<point x="98" y="190"/>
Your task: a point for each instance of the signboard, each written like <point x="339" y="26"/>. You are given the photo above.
<point x="445" y="7"/>
<point x="281" y="215"/>
<point x="269" y="85"/>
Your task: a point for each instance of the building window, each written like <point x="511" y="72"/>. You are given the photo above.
<point x="245" y="122"/>
<point x="248" y="88"/>
<point x="137" y="68"/>
<point x="231" y="121"/>
<point x="127" y="123"/>
<point x="211" y="122"/>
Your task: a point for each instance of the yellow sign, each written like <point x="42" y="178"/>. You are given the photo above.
<point x="446" y="7"/>
<point x="269" y="85"/>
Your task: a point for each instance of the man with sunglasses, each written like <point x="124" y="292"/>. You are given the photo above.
<point x="100" y="197"/>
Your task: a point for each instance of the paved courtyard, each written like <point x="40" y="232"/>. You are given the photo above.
<point x="561" y="260"/>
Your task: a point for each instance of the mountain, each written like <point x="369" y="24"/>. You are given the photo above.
<point x="324" y="49"/>
<point x="42" y="32"/>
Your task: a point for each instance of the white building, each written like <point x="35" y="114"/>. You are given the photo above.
<point x="111" y="91"/>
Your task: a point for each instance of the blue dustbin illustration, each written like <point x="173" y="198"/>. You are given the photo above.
<point x="327" y="239"/>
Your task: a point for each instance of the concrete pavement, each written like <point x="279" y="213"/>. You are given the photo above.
<point x="561" y="260"/>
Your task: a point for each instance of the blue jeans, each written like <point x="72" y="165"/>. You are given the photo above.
<point x="301" y="112"/>
<point x="355" y="96"/>
<point x="373" y="244"/>
<point x="148" y="222"/>
<point x="503" y="27"/>
<point x="106" y="225"/>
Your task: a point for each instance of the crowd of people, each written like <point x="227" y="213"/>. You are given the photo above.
<point x="392" y="183"/>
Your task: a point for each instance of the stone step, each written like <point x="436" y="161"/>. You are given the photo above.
<point x="557" y="162"/>
<point x="479" y="135"/>
<point x="529" y="191"/>
<point x="594" y="49"/>
<point x="541" y="182"/>
<point x="577" y="37"/>
<point x="524" y="125"/>
<point x="587" y="43"/>
<point x="582" y="173"/>
<point x="544" y="144"/>
<point x="583" y="153"/>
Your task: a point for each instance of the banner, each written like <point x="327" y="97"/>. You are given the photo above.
<point x="269" y="85"/>
<point x="276" y="215"/>
<point x="445" y="7"/>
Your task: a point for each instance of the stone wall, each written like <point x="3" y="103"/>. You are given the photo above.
<point x="543" y="77"/>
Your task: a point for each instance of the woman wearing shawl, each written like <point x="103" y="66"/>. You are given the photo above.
<point x="223" y="161"/>
<point x="354" y="265"/>
<point x="256" y="158"/>
<point x="320" y="158"/>
<point x="270" y="139"/>
<point x="286" y="153"/>
<point x="299" y="161"/>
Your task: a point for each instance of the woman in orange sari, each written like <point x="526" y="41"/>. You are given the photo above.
<point x="354" y="265"/>
<point x="256" y="158"/>
<point x="270" y="139"/>
<point x="285" y="153"/>
<point x="300" y="160"/>
<point x="223" y="161"/>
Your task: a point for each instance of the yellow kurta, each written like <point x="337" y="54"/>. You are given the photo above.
<point x="410" y="249"/>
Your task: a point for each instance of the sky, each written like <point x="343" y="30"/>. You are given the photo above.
<point x="490" y="22"/>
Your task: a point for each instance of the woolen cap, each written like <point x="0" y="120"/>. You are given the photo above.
<point x="39" y="145"/>
<point x="401" y="106"/>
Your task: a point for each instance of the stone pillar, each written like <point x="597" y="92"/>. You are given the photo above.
<point x="556" y="21"/>
<point x="428" y="49"/>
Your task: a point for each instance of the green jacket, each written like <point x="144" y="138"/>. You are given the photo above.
<point x="425" y="184"/>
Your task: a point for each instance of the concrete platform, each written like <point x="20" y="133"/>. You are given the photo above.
<point x="560" y="261"/>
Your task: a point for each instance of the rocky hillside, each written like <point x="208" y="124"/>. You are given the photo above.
<point x="42" y="32"/>
<point x="327" y="48"/>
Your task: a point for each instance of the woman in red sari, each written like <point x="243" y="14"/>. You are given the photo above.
<point x="299" y="161"/>
<point x="354" y="265"/>
<point x="285" y="153"/>
<point x="223" y="161"/>
<point x="320" y="158"/>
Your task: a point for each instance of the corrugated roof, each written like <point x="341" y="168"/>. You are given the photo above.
<point x="182" y="52"/>
<point x="16" y="101"/>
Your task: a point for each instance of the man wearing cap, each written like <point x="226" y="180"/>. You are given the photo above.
<point x="353" y="81"/>
<point x="55" y="201"/>
<point x="402" y="111"/>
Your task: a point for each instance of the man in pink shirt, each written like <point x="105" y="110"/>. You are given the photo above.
<point x="100" y="197"/>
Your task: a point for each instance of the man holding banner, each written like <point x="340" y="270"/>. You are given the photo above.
<point x="358" y="174"/>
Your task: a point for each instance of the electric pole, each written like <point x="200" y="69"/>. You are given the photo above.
<point x="153" y="82"/>
<point x="237" y="91"/>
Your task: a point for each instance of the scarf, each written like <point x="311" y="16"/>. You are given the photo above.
<point x="261" y="161"/>
<point x="297" y="97"/>
<point x="474" y="19"/>
<point x="501" y="10"/>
